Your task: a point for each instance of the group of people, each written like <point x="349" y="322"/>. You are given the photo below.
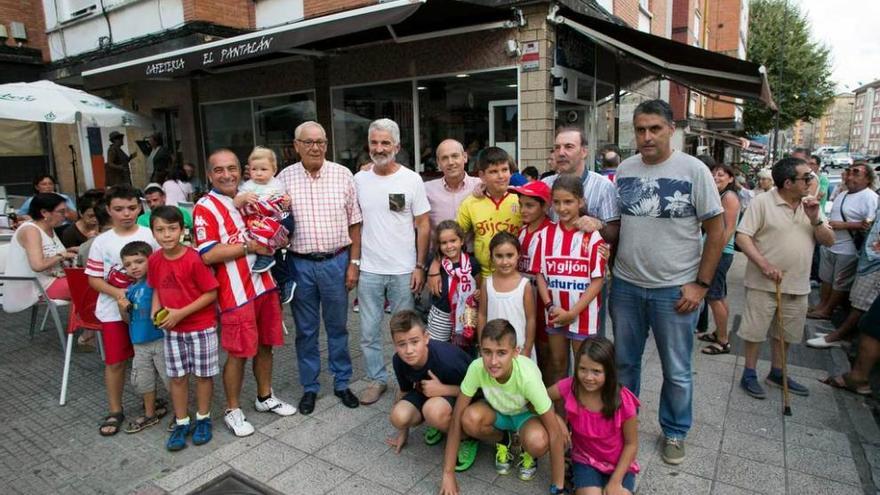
<point x="511" y="280"/>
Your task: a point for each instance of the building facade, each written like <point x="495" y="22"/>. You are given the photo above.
<point x="487" y="72"/>
<point x="865" y="135"/>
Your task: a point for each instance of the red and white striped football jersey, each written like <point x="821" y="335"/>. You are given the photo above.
<point x="217" y="221"/>
<point x="568" y="260"/>
<point x="528" y="257"/>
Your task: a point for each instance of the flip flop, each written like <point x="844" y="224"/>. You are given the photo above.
<point x="716" y="348"/>
<point x="708" y="337"/>
<point x="847" y="384"/>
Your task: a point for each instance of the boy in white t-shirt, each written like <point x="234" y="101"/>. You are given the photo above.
<point x="107" y="276"/>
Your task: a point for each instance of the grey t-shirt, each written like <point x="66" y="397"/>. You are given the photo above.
<point x="661" y="209"/>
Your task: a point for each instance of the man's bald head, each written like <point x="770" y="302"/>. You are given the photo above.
<point x="451" y="159"/>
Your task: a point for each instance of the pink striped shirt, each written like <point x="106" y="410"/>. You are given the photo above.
<point x="323" y="207"/>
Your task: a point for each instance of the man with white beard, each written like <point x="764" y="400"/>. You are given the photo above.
<point x="392" y="199"/>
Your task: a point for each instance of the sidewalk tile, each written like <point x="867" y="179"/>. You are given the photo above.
<point x="282" y="425"/>
<point x="398" y="472"/>
<point x="709" y="411"/>
<point x="309" y="476"/>
<point x="664" y="483"/>
<point x="823" y="464"/>
<point x="817" y="418"/>
<point x="189" y="472"/>
<point x="817" y="439"/>
<point x="430" y="485"/>
<point x="312" y="435"/>
<point x="706" y="436"/>
<point x="266" y="460"/>
<point x="724" y="489"/>
<point x="751" y="475"/>
<point x="352" y="452"/>
<point x="758" y="449"/>
<point x="697" y="461"/>
<point x="200" y="480"/>
<point x="239" y="446"/>
<point x="355" y="485"/>
<point x="804" y="484"/>
<point x="764" y="426"/>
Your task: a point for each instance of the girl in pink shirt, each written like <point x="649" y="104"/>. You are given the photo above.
<point x="604" y="422"/>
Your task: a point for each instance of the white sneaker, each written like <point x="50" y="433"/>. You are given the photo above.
<point x="275" y="405"/>
<point x="821" y="343"/>
<point x="236" y="422"/>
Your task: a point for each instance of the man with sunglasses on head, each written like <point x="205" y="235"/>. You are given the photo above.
<point x="777" y="234"/>
<point x="851" y="216"/>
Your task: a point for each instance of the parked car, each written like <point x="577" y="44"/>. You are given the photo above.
<point x="840" y="160"/>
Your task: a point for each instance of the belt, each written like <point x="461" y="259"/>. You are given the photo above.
<point x="320" y="256"/>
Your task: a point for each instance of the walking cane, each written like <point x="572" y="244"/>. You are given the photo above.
<point x="780" y="330"/>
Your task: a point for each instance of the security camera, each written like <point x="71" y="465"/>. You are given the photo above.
<point x="512" y="48"/>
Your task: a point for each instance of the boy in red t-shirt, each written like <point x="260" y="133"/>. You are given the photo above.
<point x="184" y="292"/>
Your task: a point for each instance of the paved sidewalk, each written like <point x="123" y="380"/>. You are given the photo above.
<point x="738" y="445"/>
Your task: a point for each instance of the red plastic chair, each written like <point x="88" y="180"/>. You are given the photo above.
<point x="84" y="299"/>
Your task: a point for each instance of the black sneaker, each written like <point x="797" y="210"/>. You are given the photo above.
<point x="287" y="291"/>
<point x="263" y="264"/>
<point x="347" y="398"/>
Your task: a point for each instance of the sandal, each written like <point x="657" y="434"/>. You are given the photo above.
<point x="844" y="382"/>
<point x="141" y="423"/>
<point x="112" y="420"/>
<point x="716" y="348"/>
<point x="708" y="337"/>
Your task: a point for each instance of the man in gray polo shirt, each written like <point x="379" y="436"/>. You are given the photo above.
<point x="662" y="272"/>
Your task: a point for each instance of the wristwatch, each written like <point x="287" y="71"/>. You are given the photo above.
<point x="702" y="284"/>
<point x="355" y="262"/>
<point x="420" y="266"/>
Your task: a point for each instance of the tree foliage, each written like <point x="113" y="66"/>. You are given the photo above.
<point x="806" y="88"/>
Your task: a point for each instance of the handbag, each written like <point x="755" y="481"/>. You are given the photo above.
<point x="858" y="235"/>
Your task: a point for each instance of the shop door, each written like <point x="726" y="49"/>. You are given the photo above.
<point x="504" y="126"/>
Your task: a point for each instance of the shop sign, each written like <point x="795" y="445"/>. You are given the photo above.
<point x="531" y="57"/>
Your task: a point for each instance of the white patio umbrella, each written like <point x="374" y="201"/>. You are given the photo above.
<point x="45" y="101"/>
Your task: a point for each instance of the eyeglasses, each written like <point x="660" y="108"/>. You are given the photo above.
<point x="308" y="143"/>
<point x="855" y="171"/>
<point x="807" y="179"/>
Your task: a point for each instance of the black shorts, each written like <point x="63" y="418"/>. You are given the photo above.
<point x="418" y="399"/>
<point x="869" y="324"/>
<point x="718" y="289"/>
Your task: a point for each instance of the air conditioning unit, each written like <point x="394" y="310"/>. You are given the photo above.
<point x="3" y="35"/>
<point x="18" y="31"/>
<point x="567" y="79"/>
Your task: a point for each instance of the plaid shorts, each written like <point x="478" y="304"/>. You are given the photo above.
<point x="195" y="353"/>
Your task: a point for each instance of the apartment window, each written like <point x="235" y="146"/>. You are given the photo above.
<point x="698" y="29"/>
<point x="608" y="5"/>
<point x="644" y="16"/>
<point x="229" y="125"/>
<point x="73" y="9"/>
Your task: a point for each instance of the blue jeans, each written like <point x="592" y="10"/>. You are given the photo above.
<point x="371" y="301"/>
<point x="320" y="291"/>
<point x="634" y="310"/>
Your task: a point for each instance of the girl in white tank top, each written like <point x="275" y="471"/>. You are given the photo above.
<point x="507" y="294"/>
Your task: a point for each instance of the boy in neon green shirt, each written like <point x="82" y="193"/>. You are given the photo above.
<point x="516" y="401"/>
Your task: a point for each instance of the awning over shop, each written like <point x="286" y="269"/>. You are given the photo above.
<point x="733" y="140"/>
<point x="699" y="69"/>
<point x="252" y="45"/>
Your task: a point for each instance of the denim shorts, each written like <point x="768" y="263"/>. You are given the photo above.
<point x="718" y="288"/>
<point x="585" y="476"/>
<point x="505" y="422"/>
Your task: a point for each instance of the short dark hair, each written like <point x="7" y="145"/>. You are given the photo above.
<point x="101" y="213"/>
<point x="41" y="177"/>
<point x="405" y="320"/>
<point x="498" y="330"/>
<point x="89" y="199"/>
<point x="570" y="183"/>
<point x="578" y="130"/>
<point x="154" y="189"/>
<point x="502" y="238"/>
<point x="817" y="158"/>
<point x="121" y="191"/>
<point x="492" y="155"/>
<point x="135" y="248"/>
<point x="170" y="214"/>
<point x="44" y="201"/>
<point x="654" y="107"/>
<point x="531" y="172"/>
<point x="801" y="150"/>
<point x="869" y="172"/>
<point x="785" y="169"/>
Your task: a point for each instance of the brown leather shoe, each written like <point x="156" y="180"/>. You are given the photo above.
<point x="372" y="393"/>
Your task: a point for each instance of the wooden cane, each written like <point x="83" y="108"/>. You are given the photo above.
<point x="780" y="331"/>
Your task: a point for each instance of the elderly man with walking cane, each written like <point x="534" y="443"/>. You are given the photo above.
<point x="777" y="234"/>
